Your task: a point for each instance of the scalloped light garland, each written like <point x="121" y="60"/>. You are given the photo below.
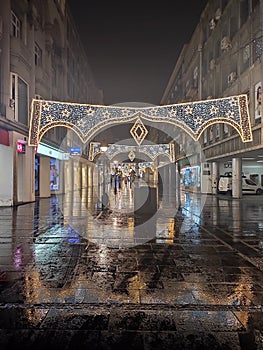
<point x="192" y="117"/>
<point x="152" y="151"/>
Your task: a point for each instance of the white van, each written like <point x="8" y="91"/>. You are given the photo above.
<point x="248" y="185"/>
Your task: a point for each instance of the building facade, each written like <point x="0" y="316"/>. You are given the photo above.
<point x="223" y="58"/>
<point x="41" y="57"/>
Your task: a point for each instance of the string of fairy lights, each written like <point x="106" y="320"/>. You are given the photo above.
<point x="152" y="151"/>
<point x="192" y="117"/>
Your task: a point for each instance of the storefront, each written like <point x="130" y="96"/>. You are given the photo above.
<point x="49" y="170"/>
<point x="191" y="178"/>
<point x="6" y="158"/>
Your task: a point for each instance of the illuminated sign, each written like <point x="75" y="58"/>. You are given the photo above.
<point x="21" y="147"/>
<point x="66" y="156"/>
<point x="50" y="152"/>
<point x="75" y="151"/>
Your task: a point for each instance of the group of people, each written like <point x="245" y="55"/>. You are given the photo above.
<point x="118" y="177"/>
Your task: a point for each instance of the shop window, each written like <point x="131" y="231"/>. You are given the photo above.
<point x="37" y="175"/>
<point x="191" y="177"/>
<point x="54" y="174"/>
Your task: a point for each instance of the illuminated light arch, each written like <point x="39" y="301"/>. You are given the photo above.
<point x="87" y="119"/>
<point x="152" y="151"/>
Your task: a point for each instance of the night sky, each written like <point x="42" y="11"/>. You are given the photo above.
<point x="132" y="47"/>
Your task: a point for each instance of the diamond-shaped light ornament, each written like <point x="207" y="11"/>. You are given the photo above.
<point x="138" y="131"/>
<point x="131" y="156"/>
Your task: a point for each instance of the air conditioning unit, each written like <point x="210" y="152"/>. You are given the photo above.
<point x="212" y="64"/>
<point x="12" y="103"/>
<point x="212" y="24"/>
<point x="225" y="43"/>
<point x="218" y="13"/>
<point x="231" y="77"/>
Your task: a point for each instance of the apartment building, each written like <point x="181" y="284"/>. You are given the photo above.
<point x="41" y="56"/>
<point x="223" y="58"/>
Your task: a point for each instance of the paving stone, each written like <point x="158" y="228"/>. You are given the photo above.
<point x="71" y="282"/>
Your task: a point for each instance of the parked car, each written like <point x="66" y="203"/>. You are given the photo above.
<point x="248" y="185"/>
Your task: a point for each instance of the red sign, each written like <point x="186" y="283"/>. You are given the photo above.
<point x="21" y="147"/>
<point x="4" y="137"/>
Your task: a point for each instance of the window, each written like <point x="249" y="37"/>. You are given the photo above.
<point x="54" y="77"/>
<point x="38" y="55"/>
<point x="233" y="24"/>
<point x="245" y="58"/>
<point x="15" y="26"/>
<point x="217" y="129"/>
<point x="218" y="48"/>
<point x="61" y="5"/>
<point x="223" y="4"/>
<point x="258" y="100"/>
<point x="22" y="101"/>
<point x="211" y="133"/>
<point x="205" y="136"/>
<point x="255" y="3"/>
<point x="257" y="47"/>
<point x="225" y="129"/>
<point x="244" y="11"/>
<point x="19" y="99"/>
<point x="195" y="77"/>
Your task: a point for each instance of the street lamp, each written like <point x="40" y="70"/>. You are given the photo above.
<point x="103" y="149"/>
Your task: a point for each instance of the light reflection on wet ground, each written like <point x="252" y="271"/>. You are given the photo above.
<point x="187" y="277"/>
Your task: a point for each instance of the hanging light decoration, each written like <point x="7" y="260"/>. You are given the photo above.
<point x="192" y="117"/>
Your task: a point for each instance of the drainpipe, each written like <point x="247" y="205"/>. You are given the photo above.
<point x="200" y="50"/>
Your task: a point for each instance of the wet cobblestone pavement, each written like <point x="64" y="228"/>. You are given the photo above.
<point x="189" y="278"/>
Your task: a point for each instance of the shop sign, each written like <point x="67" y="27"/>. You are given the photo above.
<point x="21" y="147"/>
<point x="75" y="151"/>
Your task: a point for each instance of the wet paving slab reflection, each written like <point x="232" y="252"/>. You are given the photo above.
<point x="185" y="274"/>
